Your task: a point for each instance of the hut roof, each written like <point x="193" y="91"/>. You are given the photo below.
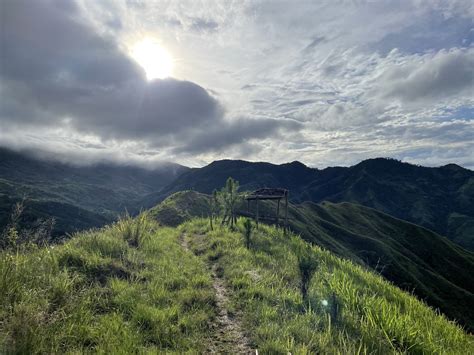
<point x="267" y="194"/>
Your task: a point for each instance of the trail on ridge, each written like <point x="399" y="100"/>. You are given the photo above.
<point x="227" y="337"/>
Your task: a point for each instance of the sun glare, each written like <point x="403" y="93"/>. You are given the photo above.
<point x="155" y="60"/>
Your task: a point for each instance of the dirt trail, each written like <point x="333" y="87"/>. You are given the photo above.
<point x="227" y="337"/>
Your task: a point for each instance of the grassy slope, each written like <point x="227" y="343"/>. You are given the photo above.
<point x="412" y="257"/>
<point x="441" y="199"/>
<point x="373" y="317"/>
<point x="98" y="293"/>
<point x="109" y="292"/>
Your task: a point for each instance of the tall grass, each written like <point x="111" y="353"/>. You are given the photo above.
<point x="124" y="289"/>
<point x="347" y="309"/>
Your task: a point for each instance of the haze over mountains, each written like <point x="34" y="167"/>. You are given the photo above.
<point x="441" y="199"/>
<point x="78" y="197"/>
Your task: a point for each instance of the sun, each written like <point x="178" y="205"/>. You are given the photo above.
<point x="155" y="60"/>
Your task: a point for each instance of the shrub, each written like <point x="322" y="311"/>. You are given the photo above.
<point x="248" y="232"/>
<point x="307" y="265"/>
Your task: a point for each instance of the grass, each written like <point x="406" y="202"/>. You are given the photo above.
<point x="373" y="316"/>
<point x="103" y="292"/>
<point x="133" y="288"/>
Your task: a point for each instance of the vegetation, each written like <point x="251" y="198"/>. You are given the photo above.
<point x="135" y="287"/>
<point x="441" y="199"/>
<point x="307" y="265"/>
<point x="248" y="232"/>
<point x="415" y="259"/>
<point x="78" y="197"/>
<point x="348" y="309"/>
<point x="103" y="292"/>
<point x="228" y="198"/>
<point x="14" y="235"/>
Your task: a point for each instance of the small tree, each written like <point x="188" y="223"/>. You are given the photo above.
<point x="307" y="265"/>
<point x="248" y="231"/>
<point x="213" y="207"/>
<point x="228" y="198"/>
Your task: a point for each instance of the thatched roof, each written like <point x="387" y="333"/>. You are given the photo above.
<point x="267" y="194"/>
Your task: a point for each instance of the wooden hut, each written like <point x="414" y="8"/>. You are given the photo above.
<point x="263" y="194"/>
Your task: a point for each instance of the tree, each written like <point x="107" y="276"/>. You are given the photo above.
<point x="248" y="231"/>
<point x="213" y="207"/>
<point x="227" y="199"/>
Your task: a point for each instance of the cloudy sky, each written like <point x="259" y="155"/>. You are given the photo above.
<point x="324" y="82"/>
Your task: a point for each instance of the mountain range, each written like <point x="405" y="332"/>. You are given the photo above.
<point x="440" y="199"/>
<point x="413" y="225"/>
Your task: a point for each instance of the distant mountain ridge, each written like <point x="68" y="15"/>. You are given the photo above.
<point x="441" y="199"/>
<point x="78" y="197"/>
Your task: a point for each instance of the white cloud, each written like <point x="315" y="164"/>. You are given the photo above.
<point x="332" y="66"/>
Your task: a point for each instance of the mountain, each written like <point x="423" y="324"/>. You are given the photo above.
<point x="138" y="287"/>
<point x="412" y="257"/>
<point x="78" y="197"/>
<point x="441" y="199"/>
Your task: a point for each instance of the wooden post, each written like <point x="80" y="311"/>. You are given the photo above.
<point x="278" y="211"/>
<point x="286" y="209"/>
<point x="257" y="212"/>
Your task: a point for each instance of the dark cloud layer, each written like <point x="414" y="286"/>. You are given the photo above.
<point x="56" y="71"/>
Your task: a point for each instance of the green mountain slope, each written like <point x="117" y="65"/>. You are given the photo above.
<point x="441" y="199"/>
<point x="412" y="257"/>
<point x="78" y="197"/>
<point x="139" y="287"/>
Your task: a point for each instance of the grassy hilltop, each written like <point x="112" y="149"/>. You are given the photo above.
<point x="136" y="286"/>
<point x="412" y="257"/>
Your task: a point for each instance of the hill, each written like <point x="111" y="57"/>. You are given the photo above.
<point x="78" y="197"/>
<point x="138" y="287"/>
<point x="441" y="199"/>
<point x="410" y="256"/>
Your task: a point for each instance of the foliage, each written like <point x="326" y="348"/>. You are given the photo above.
<point x="213" y="208"/>
<point x="248" y="231"/>
<point x="440" y="199"/>
<point x="98" y="294"/>
<point x="415" y="259"/>
<point x="372" y="315"/>
<point x="14" y="235"/>
<point x="134" y="230"/>
<point x="307" y="265"/>
<point x="228" y="198"/>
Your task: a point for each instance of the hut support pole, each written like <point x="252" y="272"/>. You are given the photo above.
<point x="278" y="211"/>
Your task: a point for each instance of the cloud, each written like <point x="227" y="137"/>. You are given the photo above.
<point x="438" y="76"/>
<point x="59" y="75"/>
<point x="235" y="132"/>
<point x="339" y="81"/>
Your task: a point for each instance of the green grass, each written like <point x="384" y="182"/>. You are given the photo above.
<point x="133" y="288"/>
<point x="104" y="293"/>
<point x="373" y="316"/>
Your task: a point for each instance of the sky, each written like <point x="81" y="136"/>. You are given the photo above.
<point x="323" y="82"/>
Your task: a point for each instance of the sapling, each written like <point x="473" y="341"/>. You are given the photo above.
<point x="248" y="231"/>
<point x="307" y="265"/>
